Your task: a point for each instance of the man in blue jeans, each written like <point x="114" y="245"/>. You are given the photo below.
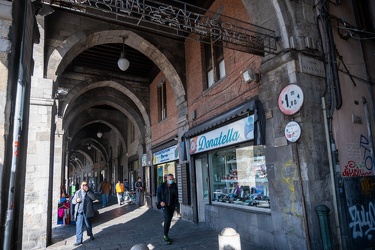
<point x="83" y="212"/>
<point x="167" y="196"/>
<point x="105" y="188"/>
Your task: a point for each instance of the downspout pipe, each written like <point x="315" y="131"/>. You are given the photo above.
<point x="18" y="126"/>
<point x="331" y="150"/>
<point x="332" y="55"/>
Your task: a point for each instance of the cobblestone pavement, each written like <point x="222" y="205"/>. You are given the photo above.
<point x="122" y="227"/>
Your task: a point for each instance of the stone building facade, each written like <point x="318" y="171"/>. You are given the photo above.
<point x="266" y="156"/>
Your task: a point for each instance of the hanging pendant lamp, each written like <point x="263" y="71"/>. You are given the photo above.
<point x="123" y="63"/>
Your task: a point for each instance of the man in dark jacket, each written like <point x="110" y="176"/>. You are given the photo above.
<point x="83" y="212"/>
<point x="167" y="196"/>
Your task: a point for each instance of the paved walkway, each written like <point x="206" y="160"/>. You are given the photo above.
<point x="121" y="227"/>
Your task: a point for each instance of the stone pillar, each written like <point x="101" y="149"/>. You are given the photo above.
<point x="38" y="169"/>
<point x="39" y="166"/>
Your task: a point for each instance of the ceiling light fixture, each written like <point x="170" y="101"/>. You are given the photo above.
<point x="123" y="63"/>
<point x="89" y="145"/>
<point x="99" y="134"/>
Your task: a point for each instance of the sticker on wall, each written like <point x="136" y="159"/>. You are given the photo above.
<point x="292" y="131"/>
<point x="290" y="99"/>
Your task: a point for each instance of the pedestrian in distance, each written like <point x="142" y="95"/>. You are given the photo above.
<point x="105" y="188"/>
<point x="126" y="184"/>
<point x="139" y="192"/>
<point x="83" y="212"/>
<point x="167" y="197"/>
<point x="119" y="191"/>
<point x="126" y="192"/>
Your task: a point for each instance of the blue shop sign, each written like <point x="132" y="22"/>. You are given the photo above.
<point x="233" y="133"/>
<point x="165" y="155"/>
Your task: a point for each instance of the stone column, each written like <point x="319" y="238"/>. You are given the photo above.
<point x="38" y="168"/>
<point x="40" y="157"/>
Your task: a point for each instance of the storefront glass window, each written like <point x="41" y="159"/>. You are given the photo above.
<point x="239" y="177"/>
<point x="164" y="169"/>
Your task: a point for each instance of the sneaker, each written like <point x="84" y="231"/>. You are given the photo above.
<point x="92" y="237"/>
<point x="77" y="244"/>
<point x="167" y="240"/>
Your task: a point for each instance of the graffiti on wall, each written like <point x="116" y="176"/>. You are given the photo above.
<point x="360" y="200"/>
<point x="361" y="162"/>
<point x="362" y="221"/>
<point x="289" y="177"/>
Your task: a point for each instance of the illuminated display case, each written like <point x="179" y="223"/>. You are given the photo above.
<point x="239" y="176"/>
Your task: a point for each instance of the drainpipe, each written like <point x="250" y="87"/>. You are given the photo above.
<point x="18" y="128"/>
<point x="331" y="150"/>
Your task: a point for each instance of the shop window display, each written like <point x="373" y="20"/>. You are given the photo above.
<point x="239" y="177"/>
<point x="164" y="169"/>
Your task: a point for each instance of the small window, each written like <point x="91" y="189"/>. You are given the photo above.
<point x="162" y="99"/>
<point x="215" y="65"/>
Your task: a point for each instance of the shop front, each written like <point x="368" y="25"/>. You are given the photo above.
<point x="165" y="162"/>
<point x="230" y="166"/>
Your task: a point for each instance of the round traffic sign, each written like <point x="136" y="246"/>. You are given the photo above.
<point x="292" y="131"/>
<point x="290" y="99"/>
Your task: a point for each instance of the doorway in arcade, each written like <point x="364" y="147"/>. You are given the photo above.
<point x="163" y="170"/>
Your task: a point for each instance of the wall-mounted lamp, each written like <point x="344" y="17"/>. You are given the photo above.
<point x="123" y="63"/>
<point x="249" y="75"/>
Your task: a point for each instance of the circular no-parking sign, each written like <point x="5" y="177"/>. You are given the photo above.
<point x="290" y="99"/>
<point x="292" y="131"/>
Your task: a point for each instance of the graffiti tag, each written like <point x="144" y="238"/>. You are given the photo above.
<point x="353" y="169"/>
<point x="365" y="144"/>
<point x="362" y="222"/>
<point x="365" y="166"/>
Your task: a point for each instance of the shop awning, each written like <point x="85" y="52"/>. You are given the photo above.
<point x="252" y="106"/>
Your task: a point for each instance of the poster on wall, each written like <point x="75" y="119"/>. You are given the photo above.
<point x="144" y="160"/>
<point x="236" y="132"/>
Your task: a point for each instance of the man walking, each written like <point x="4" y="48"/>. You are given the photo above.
<point x="167" y="196"/>
<point x="139" y="192"/>
<point x="105" y="188"/>
<point x="83" y="212"/>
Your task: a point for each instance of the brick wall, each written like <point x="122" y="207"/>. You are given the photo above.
<point x="227" y="92"/>
<point x="162" y="130"/>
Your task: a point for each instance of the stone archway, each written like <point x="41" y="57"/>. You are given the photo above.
<point x="80" y="41"/>
<point x="82" y="88"/>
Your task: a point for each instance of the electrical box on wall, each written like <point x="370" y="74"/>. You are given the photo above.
<point x="250" y="76"/>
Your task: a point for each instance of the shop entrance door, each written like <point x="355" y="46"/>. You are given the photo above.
<point x="202" y="187"/>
